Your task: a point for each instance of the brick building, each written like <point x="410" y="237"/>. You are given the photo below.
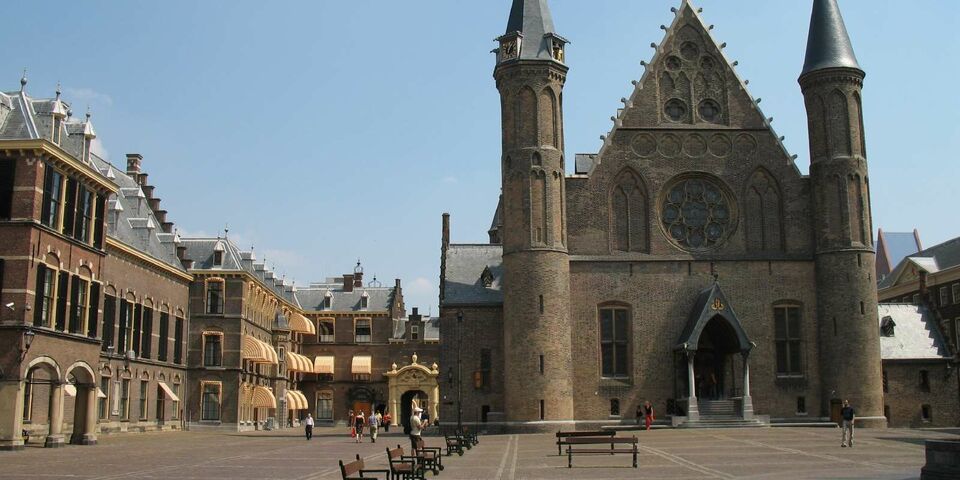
<point x="688" y="262"/>
<point x="363" y="344"/>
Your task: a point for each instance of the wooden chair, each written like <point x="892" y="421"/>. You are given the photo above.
<point x="454" y="442"/>
<point x="430" y="457"/>
<point x="355" y="470"/>
<point x="611" y="450"/>
<point x="404" y="467"/>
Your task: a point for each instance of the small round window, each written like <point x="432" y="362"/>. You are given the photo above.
<point x="696" y="213"/>
<point x="710" y="111"/>
<point x="673" y="63"/>
<point x="675" y="110"/>
<point x="689" y="50"/>
<point x="707" y="63"/>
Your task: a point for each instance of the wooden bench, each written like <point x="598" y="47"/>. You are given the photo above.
<point x="430" y="457"/>
<point x="403" y="467"/>
<point x="355" y="470"/>
<point x="454" y="441"/>
<point x="562" y="437"/>
<point x="612" y="441"/>
<point x="470" y="437"/>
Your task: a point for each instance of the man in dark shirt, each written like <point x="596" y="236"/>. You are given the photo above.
<point x="847" y="415"/>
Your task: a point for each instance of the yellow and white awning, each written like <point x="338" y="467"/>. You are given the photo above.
<point x="362" y="364"/>
<point x="168" y="392"/>
<point x="263" y="398"/>
<point x="299" y="363"/>
<point x="100" y="393"/>
<point x="258" y="351"/>
<point x="299" y="323"/>
<point x="70" y="390"/>
<point x="296" y="400"/>
<point x="323" y="364"/>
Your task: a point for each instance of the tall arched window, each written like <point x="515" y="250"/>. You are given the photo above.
<point x="628" y="213"/>
<point x="764" y="228"/>
<point x="614" y="329"/>
<point x="787" y="317"/>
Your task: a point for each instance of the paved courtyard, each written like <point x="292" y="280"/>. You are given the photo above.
<point x="670" y="454"/>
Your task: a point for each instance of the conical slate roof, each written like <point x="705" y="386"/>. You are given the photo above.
<point x="828" y="45"/>
<point x="533" y="20"/>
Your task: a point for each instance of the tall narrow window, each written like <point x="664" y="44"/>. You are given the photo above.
<point x="614" y="341"/>
<point x="362" y="330"/>
<point x="212" y="350"/>
<point x="93" y="310"/>
<point x="886" y="383"/>
<point x="78" y="305"/>
<point x="98" y="221"/>
<point x="103" y="401"/>
<point x="7" y="175"/>
<point x="414" y="332"/>
<point x="137" y="331"/>
<point x="944" y="297"/>
<point x="541" y="365"/>
<point x="146" y="340"/>
<point x="210" y="400"/>
<point x="144" y="385"/>
<point x="52" y="198"/>
<point x="924" y="381"/>
<point x="125" y="400"/>
<point x="28" y="398"/>
<point x="215" y="297"/>
<point x="788" y="340"/>
<point x="124" y="327"/>
<point x="46" y="286"/>
<point x="325" y="406"/>
<point x="69" y="207"/>
<point x="364" y="301"/>
<point x="176" y="403"/>
<point x="956" y="292"/>
<point x="178" y="341"/>
<point x="543" y="413"/>
<point x="63" y="290"/>
<point x="84" y="216"/>
<point x="164" y="336"/>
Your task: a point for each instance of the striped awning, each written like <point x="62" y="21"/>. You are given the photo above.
<point x="258" y="351"/>
<point x="299" y="323"/>
<point x="263" y="398"/>
<point x="296" y="400"/>
<point x="168" y="392"/>
<point x="362" y="364"/>
<point x="70" y="390"/>
<point x="323" y="364"/>
<point x="299" y="363"/>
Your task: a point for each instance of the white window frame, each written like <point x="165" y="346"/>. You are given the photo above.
<point x="944" y="297"/>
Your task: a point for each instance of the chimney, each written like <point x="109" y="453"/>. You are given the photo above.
<point x="153" y="202"/>
<point x="147" y="189"/>
<point x="348" y="282"/>
<point x="161" y="216"/>
<point x="187" y="264"/>
<point x="167" y="227"/>
<point x="181" y="252"/>
<point x="358" y="280"/>
<point x="446" y="232"/>
<point x="133" y="164"/>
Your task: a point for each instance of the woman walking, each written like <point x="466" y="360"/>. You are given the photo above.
<point x="358" y="424"/>
<point x="648" y="413"/>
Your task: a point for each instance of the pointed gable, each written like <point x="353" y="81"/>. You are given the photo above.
<point x="711" y="304"/>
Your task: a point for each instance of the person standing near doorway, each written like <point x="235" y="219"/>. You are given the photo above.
<point x="358" y="425"/>
<point x="352" y="423"/>
<point x="309" y="426"/>
<point x="648" y="414"/>
<point x="373" y="423"/>
<point x="416" y="428"/>
<point x="847" y="417"/>
<point x="386" y="421"/>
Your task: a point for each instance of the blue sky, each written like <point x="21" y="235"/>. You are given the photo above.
<point x="324" y="131"/>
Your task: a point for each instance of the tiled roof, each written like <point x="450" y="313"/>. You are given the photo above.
<point x="311" y="298"/>
<point x="934" y="259"/>
<point x="23" y="117"/>
<point x="201" y="251"/>
<point x="828" y="44"/>
<point x="916" y="336"/>
<point x="131" y="221"/>
<point x="464" y="266"/>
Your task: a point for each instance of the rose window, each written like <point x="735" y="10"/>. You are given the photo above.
<point x="696" y="214"/>
<point x="673" y="63"/>
<point x="710" y="111"/>
<point x="689" y="50"/>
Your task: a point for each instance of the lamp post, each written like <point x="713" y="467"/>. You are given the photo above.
<point x="459" y="371"/>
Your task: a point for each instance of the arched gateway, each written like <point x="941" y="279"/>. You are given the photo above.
<point x="413" y="378"/>
<point x="710" y="343"/>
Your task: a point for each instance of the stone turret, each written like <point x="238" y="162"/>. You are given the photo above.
<point x="530" y="75"/>
<point x="845" y="260"/>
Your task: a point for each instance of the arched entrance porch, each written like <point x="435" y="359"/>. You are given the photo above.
<point x="405" y="384"/>
<point x="41" y="401"/>
<point x="710" y="346"/>
<point x="81" y="384"/>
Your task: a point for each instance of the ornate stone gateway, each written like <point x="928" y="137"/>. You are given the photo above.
<point x="411" y="378"/>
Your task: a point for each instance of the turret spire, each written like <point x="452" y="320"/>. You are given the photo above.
<point x="531" y="19"/>
<point x="828" y="45"/>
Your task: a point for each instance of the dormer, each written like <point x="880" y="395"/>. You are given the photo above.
<point x="887" y="327"/>
<point x="88" y="135"/>
<point x="486" y="277"/>
<point x="327" y="301"/>
<point x="58" y="111"/>
<point x="218" y="250"/>
<point x="364" y="301"/>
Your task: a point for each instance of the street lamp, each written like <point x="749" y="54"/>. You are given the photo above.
<point x="459" y="371"/>
<point x="27" y="341"/>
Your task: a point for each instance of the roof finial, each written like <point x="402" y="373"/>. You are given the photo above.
<point x="23" y="80"/>
<point x="88" y="113"/>
<point x="226" y="229"/>
<point x="58" y="90"/>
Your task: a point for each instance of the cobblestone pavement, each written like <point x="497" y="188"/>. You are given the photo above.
<point x="670" y="454"/>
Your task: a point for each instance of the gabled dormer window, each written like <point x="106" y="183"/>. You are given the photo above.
<point x="364" y="301"/>
<point x="486" y="277"/>
<point x="328" y="301"/>
<point x="218" y="255"/>
<point x="887" y="326"/>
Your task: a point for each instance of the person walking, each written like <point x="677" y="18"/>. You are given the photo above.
<point x="352" y="424"/>
<point x="386" y="421"/>
<point x="847" y="415"/>
<point x="358" y="425"/>
<point x="648" y="414"/>
<point x="308" y="425"/>
<point x="373" y="423"/>
<point x="416" y="428"/>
